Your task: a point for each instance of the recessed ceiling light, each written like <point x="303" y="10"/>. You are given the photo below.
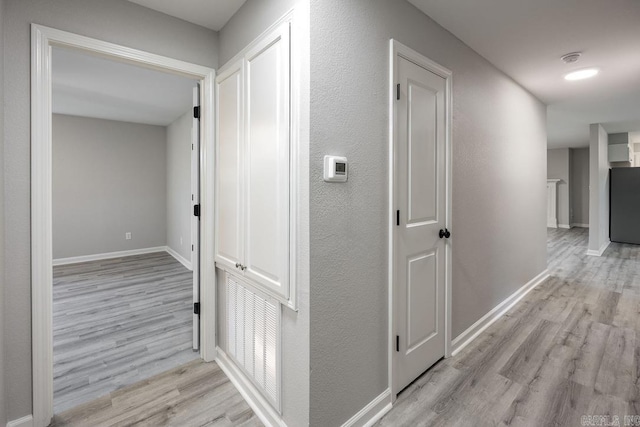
<point x="582" y="74"/>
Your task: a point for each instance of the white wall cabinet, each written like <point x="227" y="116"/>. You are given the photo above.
<point x="253" y="164"/>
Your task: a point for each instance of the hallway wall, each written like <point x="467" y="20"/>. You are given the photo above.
<point x="499" y="192"/>
<point x="559" y="167"/>
<point x="580" y="186"/>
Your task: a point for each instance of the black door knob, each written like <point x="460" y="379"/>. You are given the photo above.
<point x="444" y="233"/>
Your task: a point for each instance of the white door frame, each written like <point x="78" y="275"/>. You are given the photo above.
<point x="398" y="50"/>
<point x="42" y="39"/>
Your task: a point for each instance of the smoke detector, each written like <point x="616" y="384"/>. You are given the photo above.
<point x="570" y="58"/>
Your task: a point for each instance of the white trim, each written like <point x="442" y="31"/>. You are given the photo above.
<point x="600" y="251"/>
<point x="251" y="395"/>
<point x="42" y="39"/>
<point x="182" y="260"/>
<point x="107" y="255"/>
<point x="373" y="412"/>
<point x="397" y="49"/>
<point x="465" y="338"/>
<point x="566" y="226"/>
<point x="26" y="421"/>
<point x="576" y="224"/>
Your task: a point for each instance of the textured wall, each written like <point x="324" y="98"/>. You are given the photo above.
<point x="179" y="185"/>
<point x="3" y="400"/>
<point x="558" y="167"/>
<point x="580" y="185"/>
<point x="499" y="192"/>
<point x="599" y="188"/>
<point x="109" y="178"/>
<point x="116" y="21"/>
<point x="253" y="18"/>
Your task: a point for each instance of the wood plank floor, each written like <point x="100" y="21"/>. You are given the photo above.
<point x="196" y="394"/>
<point x="570" y="348"/>
<point x="116" y="322"/>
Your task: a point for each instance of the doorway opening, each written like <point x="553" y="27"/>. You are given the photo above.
<point x="102" y="188"/>
<point x="125" y="235"/>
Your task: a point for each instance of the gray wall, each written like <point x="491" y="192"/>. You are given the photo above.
<point x="179" y="185"/>
<point x="580" y="185"/>
<point x="116" y="21"/>
<point x="499" y="191"/>
<point x="558" y="167"/>
<point x="109" y="178"/>
<point x="249" y="22"/>
<point x="599" y="188"/>
<point x="252" y="19"/>
<point x="3" y="400"/>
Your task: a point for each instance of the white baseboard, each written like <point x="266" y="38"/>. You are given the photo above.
<point x="567" y="226"/>
<point x="371" y="413"/>
<point x="109" y="255"/>
<point x="182" y="260"/>
<point x="465" y="338"/>
<point x="553" y="224"/>
<point x="600" y="251"/>
<point x="254" y="398"/>
<point x="21" y="422"/>
<point x="576" y="224"/>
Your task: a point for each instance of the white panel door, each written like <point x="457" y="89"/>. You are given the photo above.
<point x="228" y="170"/>
<point x="195" y="220"/>
<point x="421" y="199"/>
<point x="266" y="257"/>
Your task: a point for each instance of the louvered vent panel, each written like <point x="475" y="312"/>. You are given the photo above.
<point x="253" y="337"/>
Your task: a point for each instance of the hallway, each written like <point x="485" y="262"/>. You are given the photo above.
<point x="567" y="350"/>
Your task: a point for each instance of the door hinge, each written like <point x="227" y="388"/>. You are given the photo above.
<point x="196" y="210"/>
<point x="398" y="217"/>
<point x="398" y="91"/>
<point x="398" y="343"/>
<point x="196" y="308"/>
<point x="196" y="112"/>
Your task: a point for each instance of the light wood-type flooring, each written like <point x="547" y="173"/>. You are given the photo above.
<point x="116" y="322"/>
<point x="570" y="348"/>
<point x="193" y="395"/>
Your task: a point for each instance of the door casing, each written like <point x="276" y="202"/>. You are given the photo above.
<point x="397" y="50"/>
<point x="42" y="39"/>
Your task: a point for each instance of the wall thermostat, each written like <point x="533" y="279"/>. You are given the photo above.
<point x="335" y="169"/>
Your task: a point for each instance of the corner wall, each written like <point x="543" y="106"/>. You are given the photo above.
<point x="499" y="192"/>
<point x="580" y="186"/>
<point x="599" y="193"/>
<point x="559" y="167"/>
<point x="116" y="21"/>
<point x="179" y="185"/>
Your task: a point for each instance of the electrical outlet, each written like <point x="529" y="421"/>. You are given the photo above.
<point x="127" y="235"/>
<point x="180" y="241"/>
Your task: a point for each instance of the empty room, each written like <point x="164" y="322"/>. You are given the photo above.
<point x="124" y="234"/>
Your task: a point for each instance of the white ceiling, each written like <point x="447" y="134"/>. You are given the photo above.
<point x="526" y="38"/>
<point x="90" y="86"/>
<point x="212" y="14"/>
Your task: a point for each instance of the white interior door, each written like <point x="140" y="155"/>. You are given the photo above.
<point x="195" y="220"/>
<point x="419" y="251"/>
